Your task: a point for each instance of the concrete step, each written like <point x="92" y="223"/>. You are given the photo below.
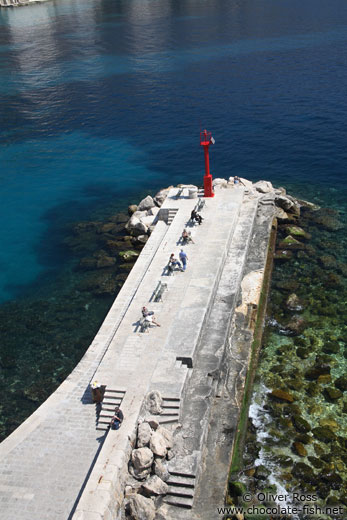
<point x="181" y="481"/>
<point x="184" y="502"/>
<point x="181" y="491"/>
<point x="169" y="420"/>
<point x="112" y="398"/>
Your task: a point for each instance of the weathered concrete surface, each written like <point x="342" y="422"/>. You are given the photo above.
<point x="46" y="463"/>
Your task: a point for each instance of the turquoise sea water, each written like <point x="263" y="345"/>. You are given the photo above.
<point x="102" y="102"/>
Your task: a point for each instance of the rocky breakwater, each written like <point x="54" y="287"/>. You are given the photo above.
<point x="106" y="250"/>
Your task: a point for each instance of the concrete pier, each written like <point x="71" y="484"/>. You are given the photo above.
<point x="62" y="462"/>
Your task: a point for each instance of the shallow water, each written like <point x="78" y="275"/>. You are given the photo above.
<point x="103" y="102"/>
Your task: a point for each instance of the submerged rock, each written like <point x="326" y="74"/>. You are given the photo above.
<point x="291" y="243"/>
<point x="324" y="434"/>
<point x="283" y="254"/>
<point x="316" y="371"/>
<point x="299" y="449"/>
<point x="294" y="303"/>
<point x="282" y="395"/>
<point x="300" y="424"/>
<point x="332" y="393"/>
<point x="298" y="232"/>
<point x="305" y="472"/>
<point x="296" y="325"/>
<point x="129" y="256"/>
<point x="341" y="383"/>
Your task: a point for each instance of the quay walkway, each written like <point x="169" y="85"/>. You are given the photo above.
<point x="62" y="463"/>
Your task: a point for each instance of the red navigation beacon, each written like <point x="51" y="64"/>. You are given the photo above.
<point x="205" y="140"/>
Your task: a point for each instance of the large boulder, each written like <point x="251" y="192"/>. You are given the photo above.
<point x="155" y="486"/>
<point x="142" y="458"/>
<point x="141" y="508"/>
<point x="222" y="183"/>
<point x="283" y="202"/>
<point x="154" y="402"/>
<point x="131" y="209"/>
<point x="153" y="211"/>
<point x="162" y="513"/>
<point x="161" y="470"/>
<point x="158" y="444"/>
<point x="147" y="220"/>
<point x="146" y="204"/>
<point x="161" y="196"/>
<point x="263" y="186"/>
<point x="135" y="227"/>
<point x="144" y="432"/>
<point x="166" y="435"/>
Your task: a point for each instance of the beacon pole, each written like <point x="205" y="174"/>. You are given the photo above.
<point x="205" y="140"/>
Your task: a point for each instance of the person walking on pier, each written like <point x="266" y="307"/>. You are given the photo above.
<point x="183" y="258"/>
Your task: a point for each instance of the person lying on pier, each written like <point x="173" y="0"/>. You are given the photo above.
<point x="187" y="237"/>
<point x="117" y="419"/>
<point x="146" y="312"/>
<point x="149" y="320"/>
<point x="173" y="262"/>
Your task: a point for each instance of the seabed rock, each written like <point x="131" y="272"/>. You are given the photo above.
<point x="299" y="449"/>
<point x="294" y="303"/>
<point x="291" y="243"/>
<point x="282" y="395"/>
<point x="324" y="434"/>
<point x="341" y="383"/>
<point x="332" y="393"/>
<point x="298" y="232"/>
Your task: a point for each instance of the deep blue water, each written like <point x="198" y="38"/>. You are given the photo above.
<point x="106" y="99"/>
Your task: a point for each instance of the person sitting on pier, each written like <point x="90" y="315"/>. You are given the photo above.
<point x="195" y="216"/>
<point x="117" y="419"/>
<point x="173" y="262"/>
<point x="237" y="180"/>
<point x="187" y="237"/>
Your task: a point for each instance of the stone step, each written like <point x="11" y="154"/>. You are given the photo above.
<point x="169" y="420"/>
<point x="178" y="474"/>
<point x="180" y="491"/>
<point x="171" y="399"/>
<point x="185" y="502"/>
<point x="181" y="481"/>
